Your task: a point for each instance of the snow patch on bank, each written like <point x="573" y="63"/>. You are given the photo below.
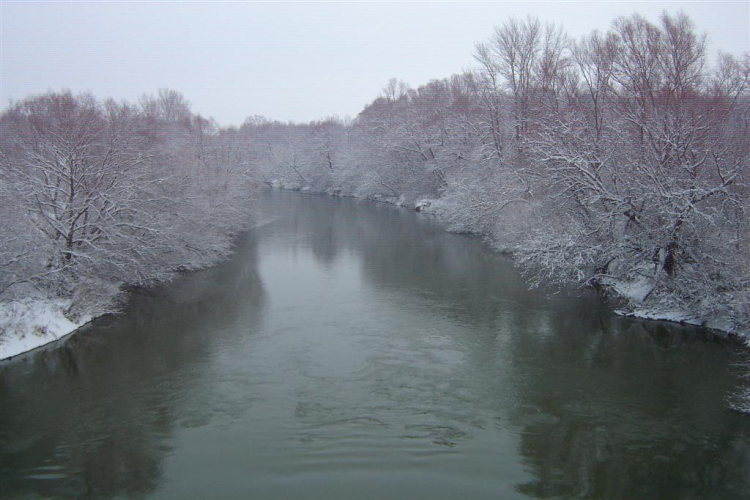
<point x="636" y="290"/>
<point x="31" y="323"/>
<point x="719" y="323"/>
<point x="663" y="315"/>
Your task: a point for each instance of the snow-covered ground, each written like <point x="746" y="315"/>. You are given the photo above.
<point x="721" y="324"/>
<point x="636" y="291"/>
<point x="28" y="324"/>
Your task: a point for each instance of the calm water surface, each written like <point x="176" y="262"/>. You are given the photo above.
<point x="357" y="351"/>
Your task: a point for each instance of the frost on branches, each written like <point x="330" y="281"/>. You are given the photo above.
<point x="95" y="195"/>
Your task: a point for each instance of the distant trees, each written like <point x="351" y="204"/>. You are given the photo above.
<point x="168" y="106"/>
<point x="97" y="194"/>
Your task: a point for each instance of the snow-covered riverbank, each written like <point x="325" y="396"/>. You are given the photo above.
<point x="28" y="324"/>
<point x="634" y="293"/>
<point x="96" y="194"/>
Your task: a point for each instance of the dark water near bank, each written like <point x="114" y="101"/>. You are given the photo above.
<point x="357" y="351"/>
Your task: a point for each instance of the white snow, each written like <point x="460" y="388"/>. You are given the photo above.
<point x="664" y="315"/>
<point x="28" y="324"/>
<point x="720" y="323"/>
<point x="634" y="290"/>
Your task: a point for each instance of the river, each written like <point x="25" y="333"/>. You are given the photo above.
<point x="358" y="351"/>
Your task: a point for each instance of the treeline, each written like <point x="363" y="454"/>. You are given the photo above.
<point x="619" y="160"/>
<point x="94" y="195"/>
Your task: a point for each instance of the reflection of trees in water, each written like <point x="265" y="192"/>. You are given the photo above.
<point x="618" y="409"/>
<point x="89" y="419"/>
<point x="401" y="251"/>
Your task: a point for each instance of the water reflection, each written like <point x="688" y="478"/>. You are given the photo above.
<point x="630" y="410"/>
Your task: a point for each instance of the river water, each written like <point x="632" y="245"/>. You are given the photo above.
<point x="358" y="351"/>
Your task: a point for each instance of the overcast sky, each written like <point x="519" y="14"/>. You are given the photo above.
<point x="288" y="61"/>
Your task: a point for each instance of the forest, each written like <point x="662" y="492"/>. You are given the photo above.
<point x="96" y="196"/>
<point x="617" y="161"/>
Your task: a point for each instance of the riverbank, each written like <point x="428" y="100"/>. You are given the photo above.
<point x="28" y="324"/>
<point x="34" y="322"/>
<point x="633" y="299"/>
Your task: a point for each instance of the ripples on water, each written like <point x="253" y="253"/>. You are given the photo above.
<point x="352" y="350"/>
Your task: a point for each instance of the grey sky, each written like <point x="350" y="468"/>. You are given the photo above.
<point x="288" y="61"/>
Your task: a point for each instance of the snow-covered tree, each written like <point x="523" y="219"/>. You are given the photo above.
<point x="103" y="194"/>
